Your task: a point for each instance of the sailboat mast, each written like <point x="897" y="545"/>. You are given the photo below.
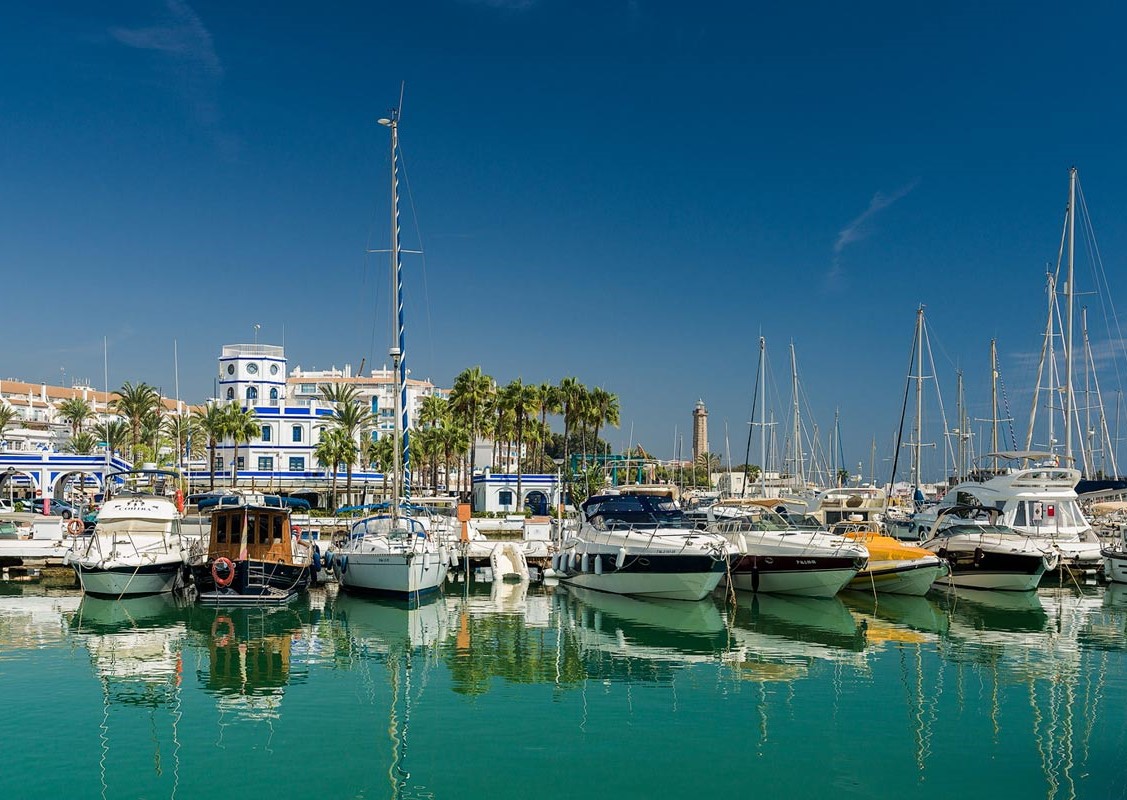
<point x="960" y="432"/>
<point x="799" y="467"/>
<point x="994" y="399"/>
<point x="401" y="457"/>
<point x="763" y="418"/>
<point x="918" y="444"/>
<point x="1069" y="293"/>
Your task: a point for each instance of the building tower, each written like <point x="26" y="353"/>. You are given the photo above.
<point x="700" y="430"/>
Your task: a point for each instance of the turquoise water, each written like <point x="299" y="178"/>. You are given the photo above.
<point x="500" y="692"/>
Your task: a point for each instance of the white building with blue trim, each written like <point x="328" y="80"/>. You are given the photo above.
<point x="497" y="493"/>
<point x="293" y="416"/>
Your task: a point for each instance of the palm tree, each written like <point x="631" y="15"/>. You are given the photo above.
<point x="604" y="409"/>
<point x="469" y="399"/>
<point x="83" y="443"/>
<point x="571" y="392"/>
<point x="240" y="426"/>
<point x="353" y="419"/>
<point x="434" y="411"/>
<point x="523" y="399"/>
<point x="383" y="456"/>
<point x="8" y="415"/>
<point x="550" y="403"/>
<point x="338" y="394"/>
<point x="114" y="432"/>
<point x="454" y="440"/>
<point x="212" y="421"/>
<point x="331" y="451"/>
<point x="135" y="403"/>
<point x="426" y="444"/>
<point x="76" y="412"/>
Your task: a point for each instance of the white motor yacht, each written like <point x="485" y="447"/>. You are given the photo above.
<point x="641" y="545"/>
<point x="1037" y="501"/>
<point x="137" y="546"/>
<point x="984" y="554"/>
<point x="777" y="558"/>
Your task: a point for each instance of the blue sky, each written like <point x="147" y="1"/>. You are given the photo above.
<point x="626" y="191"/>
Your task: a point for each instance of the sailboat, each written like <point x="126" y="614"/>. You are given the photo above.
<point x="393" y="553"/>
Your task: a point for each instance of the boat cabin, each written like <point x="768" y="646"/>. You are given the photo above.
<point x="251" y="532"/>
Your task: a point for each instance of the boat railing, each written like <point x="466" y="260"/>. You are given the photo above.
<point x="606" y="532"/>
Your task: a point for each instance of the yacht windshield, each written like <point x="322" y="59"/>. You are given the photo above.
<point x="625" y="510"/>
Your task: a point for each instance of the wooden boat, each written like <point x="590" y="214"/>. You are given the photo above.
<point x="253" y="557"/>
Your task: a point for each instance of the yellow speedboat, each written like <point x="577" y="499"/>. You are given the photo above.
<point x="895" y="567"/>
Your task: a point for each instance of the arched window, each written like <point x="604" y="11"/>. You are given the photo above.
<point x="297" y="433"/>
<point x="230" y="393"/>
<point x="252" y="393"/>
<point x="274" y="393"/>
<point x="266" y="433"/>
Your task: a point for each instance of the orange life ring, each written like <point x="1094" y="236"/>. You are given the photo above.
<point x="223" y="583"/>
<point x="225" y="639"/>
<point x="74" y="527"/>
<point x="180" y="501"/>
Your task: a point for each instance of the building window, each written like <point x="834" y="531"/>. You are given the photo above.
<point x="266" y="433"/>
<point x="252" y="393"/>
<point x="308" y="388"/>
<point x="274" y="393"/>
<point x="230" y="393"/>
<point x="297" y="433"/>
<point x="297" y="463"/>
<point x="266" y="463"/>
<point x="219" y="463"/>
<point x="505" y="497"/>
<point x="242" y="462"/>
<point x="375" y="404"/>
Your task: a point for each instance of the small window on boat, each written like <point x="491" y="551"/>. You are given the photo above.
<point x="277" y="530"/>
<point x="220" y="522"/>
<point x="1019" y="514"/>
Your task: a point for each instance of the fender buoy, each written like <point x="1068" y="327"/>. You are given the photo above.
<point x="343" y="564"/>
<point x="226" y="581"/>
<point x="328" y="562"/>
<point x="316" y="558"/>
<point x="620" y="559"/>
<point x="74" y="527"/>
<point x="224" y="639"/>
<point x="180" y="501"/>
<point x="598" y="565"/>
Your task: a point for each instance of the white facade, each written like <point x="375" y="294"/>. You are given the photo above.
<point x="498" y="493"/>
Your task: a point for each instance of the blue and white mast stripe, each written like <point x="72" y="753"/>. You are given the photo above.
<point x="400" y="352"/>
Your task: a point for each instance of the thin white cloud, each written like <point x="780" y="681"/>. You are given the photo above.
<point x="186" y="44"/>
<point x="858" y="227"/>
<point x="183" y="35"/>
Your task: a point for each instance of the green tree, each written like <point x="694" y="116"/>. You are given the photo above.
<point x="550" y="403"/>
<point x="8" y="415"/>
<point x="354" y="420"/>
<point x="114" y="432"/>
<point x="469" y="399"/>
<point x="76" y="412"/>
<point x="383" y="457"/>
<point x="523" y="400"/>
<point x="136" y="403"/>
<point x="333" y="449"/>
<point x="212" y="423"/>
<point x="571" y="393"/>
<point x="241" y="425"/>
<point x="603" y="409"/>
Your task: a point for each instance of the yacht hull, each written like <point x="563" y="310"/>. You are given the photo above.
<point x="667" y="577"/>
<point x="913" y="577"/>
<point x="1115" y="565"/>
<point x="392" y="574"/>
<point x="809" y="576"/>
<point x="253" y="579"/>
<point x="128" y="580"/>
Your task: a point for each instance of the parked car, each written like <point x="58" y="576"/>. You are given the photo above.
<point x="58" y="507"/>
<point x="6" y="506"/>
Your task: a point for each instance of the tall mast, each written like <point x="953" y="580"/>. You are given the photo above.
<point x="994" y="399"/>
<point x="960" y="432"/>
<point x="1069" y="293"/>
<point x="918" y="444"/>
<point x="401" y="460"/>
<point x="763" y="417"/>
<point x="799" y="467"/>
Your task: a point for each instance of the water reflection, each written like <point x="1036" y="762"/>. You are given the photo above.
<point x="1032" y="680"/>
<point x="249" y="657"/>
